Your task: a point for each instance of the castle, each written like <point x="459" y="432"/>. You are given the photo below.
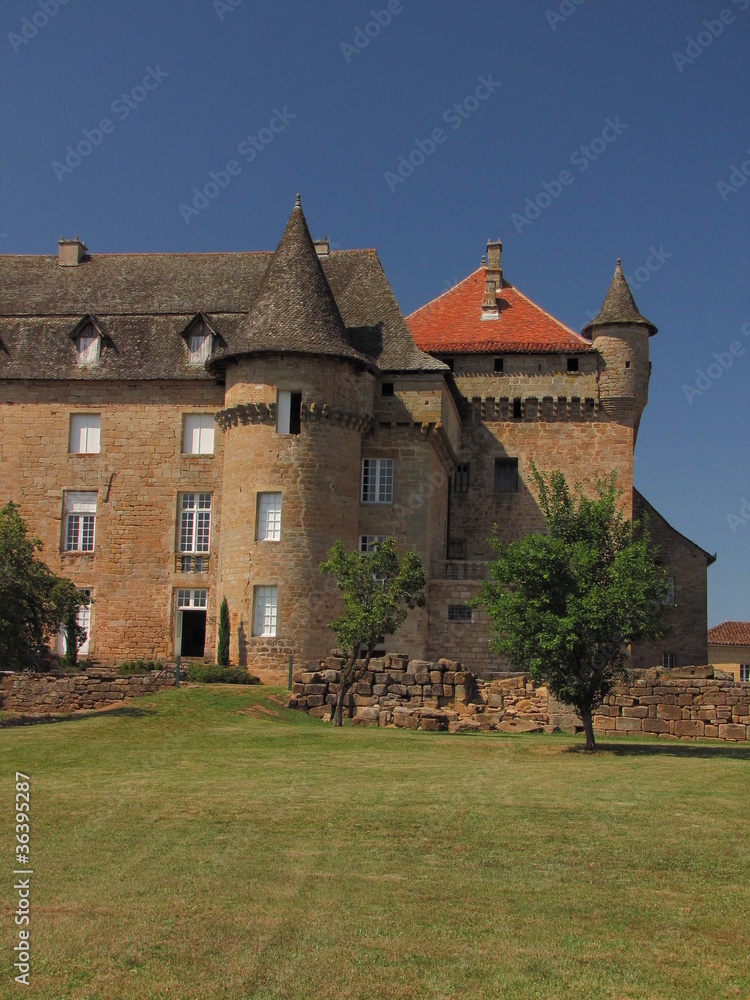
<point x="179" y="428"/>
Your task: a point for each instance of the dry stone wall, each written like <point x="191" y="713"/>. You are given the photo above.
<point x="47" y="694"/>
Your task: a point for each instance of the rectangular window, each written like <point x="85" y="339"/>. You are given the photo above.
<point x="461" y="479"/>
<point x="572" y="364"/>
<point x="268" y="517"/>
<point x="198" y="434"/>
<point x="195" y="522"/>
<point x="83" y="620"/>
<point x="288" y="412"/>
<point x="745" y="672"/>
<point x="199" y="348"/>
<point x="669" y="596"/>
<point x="459" y="613"/>
<point x="506" y="475"/>
<point x="517" y="412"/>
<point x="192" y="599"/>
<point x="87" y="350"/>
<point x="668" y="660"/>
<point x="386" y="389"/>
<point x="80" y="518"/>
<point x="84" y="433"/>
<point x="264" y="617"/>
<point x="377" y="480"/>
<point x="369" y="543"/>
<point x="498" y="365"/>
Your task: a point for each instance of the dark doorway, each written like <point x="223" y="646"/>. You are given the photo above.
<point x="193" y="633"/>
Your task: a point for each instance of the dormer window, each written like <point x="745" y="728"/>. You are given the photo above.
<point x="87" y="347"/>
<point x="198" y="345"/>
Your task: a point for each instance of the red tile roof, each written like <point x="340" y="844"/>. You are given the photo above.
<point x="730" y="634"/>
<point x="452" y="324"/>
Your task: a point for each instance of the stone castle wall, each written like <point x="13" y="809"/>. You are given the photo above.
<point x="48" y="694"/>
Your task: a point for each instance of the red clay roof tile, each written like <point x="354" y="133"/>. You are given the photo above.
<point x="452" y="324"/>
<point x="730" y="634"/>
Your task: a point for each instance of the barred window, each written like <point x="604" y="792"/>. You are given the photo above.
<point x="506" y="475"/>
<point x="195" y="522"/>
<point x="269" y="517"/>
<point x="459" y="613"/>
<point x="80" y="520"/>
<point x="377" y="480"/>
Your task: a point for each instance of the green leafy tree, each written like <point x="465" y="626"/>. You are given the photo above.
<point x="566" y="604"/>
<point x="379" y="589"/>
<point x="222" y="639"/>
<point x="34" y="602"/>
<point x="66" y="599"/>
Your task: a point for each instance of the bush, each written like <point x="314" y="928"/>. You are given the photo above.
<point x="131" y="667"/>
<point x="211" y="673"/>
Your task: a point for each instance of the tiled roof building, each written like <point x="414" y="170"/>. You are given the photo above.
<point x="183" y="427"/>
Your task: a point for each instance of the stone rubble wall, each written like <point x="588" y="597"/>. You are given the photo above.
<point x="419" y="694"/>
<point x="686" y="703"/>
<point x="46" y="694"/>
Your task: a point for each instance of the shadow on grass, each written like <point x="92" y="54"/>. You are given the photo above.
<point x="729" y="751"/>
<point x="122" y="711"/>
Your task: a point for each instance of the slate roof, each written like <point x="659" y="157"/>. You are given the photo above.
<point x="452" y="323"/>
<point x="144" y="302"/>
<point x="730" y="634"/>
<point x="619" y="306"/>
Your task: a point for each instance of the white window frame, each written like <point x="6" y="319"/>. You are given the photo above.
<point x="195" y="523"/>
<point x="745" y="673"/>
<point x="87" y="348"/>
<point x="79" y="521"/>
<point x="369" y="543"/>
<point x="83" y="619"/>
<point x="265" y="611"/>
<point x="189" y="599"/>
<point x="198" y="431"/>
<point x="377" y="480"/>
<point x="268" y="520"/>
<point x="84" y="437"/>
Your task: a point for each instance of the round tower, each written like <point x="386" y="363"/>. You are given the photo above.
<point x="621" y="335"/>
<point x="298" y="398"/>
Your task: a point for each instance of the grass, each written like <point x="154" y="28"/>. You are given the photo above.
<point x="209" y="843"/>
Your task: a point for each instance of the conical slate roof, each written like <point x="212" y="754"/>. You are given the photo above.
<point x="619" y="306"/>
<point x="295" y="309"/>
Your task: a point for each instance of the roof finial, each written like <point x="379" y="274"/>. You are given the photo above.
<point x="619" y="262"/>
<point x="298" y="202"/>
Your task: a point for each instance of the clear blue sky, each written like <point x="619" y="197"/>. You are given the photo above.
<point x="219" y="73"/>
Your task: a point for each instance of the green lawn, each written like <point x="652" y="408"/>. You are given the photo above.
<point x="209" y="843"/>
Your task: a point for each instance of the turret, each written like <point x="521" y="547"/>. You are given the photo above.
<point x="298" y="398"/>
<point x="620" y="334"/>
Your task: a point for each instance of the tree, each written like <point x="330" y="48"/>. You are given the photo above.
<point x="66" y="599"/>
<point x="566" y="604"/>
<point x="34" y="602"/>
<point x="379" y="589"/>
<point x="222" y="639"/>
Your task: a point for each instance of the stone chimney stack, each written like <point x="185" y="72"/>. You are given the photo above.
<point x="493" y="280"/>
<point x="71" y="252"/>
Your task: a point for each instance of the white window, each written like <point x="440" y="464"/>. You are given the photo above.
<point x="195" y="522"/>
<point x="377" y="480"/>
<point x="192" y="598"/>
<point x="199" y="346"/>
<point x="269" y="517"/>
<point x="87" y="349"/>
<point x="264" y="618"/>
<point x="369" y="543"/>
<point x="745" y="672"/>
<point x="288" y="412"/>
<point x="84" y="433"/>
<point x="83" y="619"/>
<point x="80" y="518"/>
<point x="198" y="434"/>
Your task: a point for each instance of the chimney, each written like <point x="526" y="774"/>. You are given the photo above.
<point x="493" y="280"/>
<point x="322" y="247"/>
<point x="71" y="252"/>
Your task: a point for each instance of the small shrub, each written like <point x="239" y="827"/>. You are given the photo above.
<point x="131" y="667"/>
<point x="211" y="673"/>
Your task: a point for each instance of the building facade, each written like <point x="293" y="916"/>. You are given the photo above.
<point x="182" y="428"/>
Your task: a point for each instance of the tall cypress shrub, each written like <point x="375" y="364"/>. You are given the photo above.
<point x="222" y="640"/>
